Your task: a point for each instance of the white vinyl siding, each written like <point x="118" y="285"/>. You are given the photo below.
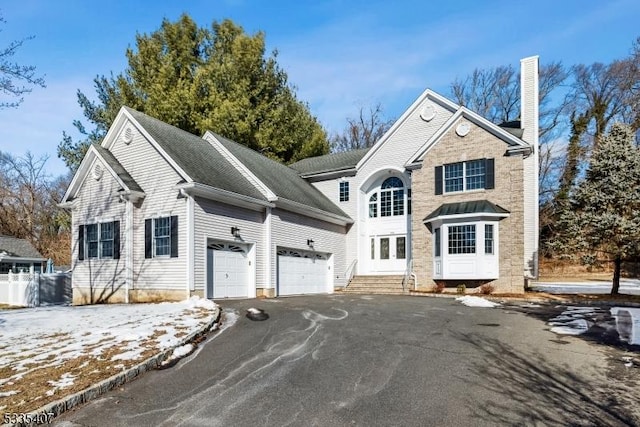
<point x="290" y="230"/>
<point x="98" y="202"/>
<point x="213" y="220"/>
<point x="158" y="180"/>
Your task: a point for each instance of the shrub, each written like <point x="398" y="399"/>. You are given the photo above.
<point x="462" y="288"/>
<point x="487" y="289"/>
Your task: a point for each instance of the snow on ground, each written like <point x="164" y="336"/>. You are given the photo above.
<point x="472" y="301"/>
<point x="72" y="341"/>
<point x="627" y="287"/>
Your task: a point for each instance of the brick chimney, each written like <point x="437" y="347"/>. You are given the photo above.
<point x="529" y="115"/>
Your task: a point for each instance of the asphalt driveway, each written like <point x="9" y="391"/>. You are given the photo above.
<point x="377" y="360"/>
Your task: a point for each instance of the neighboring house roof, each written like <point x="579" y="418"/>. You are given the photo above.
<point x="283" y="181"/>
<point x="466" y="208"/>
<point x="114" y="164"/>
<point x="18" y="248"/>
<point x="196" y="157"/>
<point x="330" y="162"/>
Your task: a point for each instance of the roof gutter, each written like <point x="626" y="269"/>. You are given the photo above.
<point x="312" y="212"/>
<point x="329" y="174"/>
<point x="229" y="197"/>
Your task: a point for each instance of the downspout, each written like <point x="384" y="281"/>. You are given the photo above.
<point x="190" y="243"/>
<point x="268" y="262"/>
<point x="129" y="242"/>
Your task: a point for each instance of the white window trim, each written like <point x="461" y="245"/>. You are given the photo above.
<point x="464" y="178"/>
<point x="154" y="254"/>
<point x="86" y="240"/>
<point x="478" y="259"/>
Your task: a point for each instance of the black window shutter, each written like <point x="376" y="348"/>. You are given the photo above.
<point x="148" y="246"/>
<point x="490" y="174"/>
<point x="81" y="242"/>
<point x="116" y="239"/>
<point x="174" y="237"/>
<point x="438" y="178"/>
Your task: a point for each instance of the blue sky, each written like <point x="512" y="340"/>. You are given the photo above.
<point x="339" y="54"/>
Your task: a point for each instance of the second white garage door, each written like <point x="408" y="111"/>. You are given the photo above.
<point x="227" y="271"/>
<point x="301" y="272"/>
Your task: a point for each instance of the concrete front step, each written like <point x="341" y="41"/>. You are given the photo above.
<point x="373" y="292"/>
<point x="376" y="285"/>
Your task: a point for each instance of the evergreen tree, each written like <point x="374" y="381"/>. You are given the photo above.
<point x="601" y="219"/>
<point x="200" y="79"/>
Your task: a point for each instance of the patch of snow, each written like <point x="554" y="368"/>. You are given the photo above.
<point x="178" y="353"/>
<point x="572" y="327"/>
<point x="253" y="310"/>
<point x="472" y="301"/>
<point x="197" y="302"/>
<point x="183" y="350"/>
<point x="64" y="333"/>
<point x="8" y="393"/>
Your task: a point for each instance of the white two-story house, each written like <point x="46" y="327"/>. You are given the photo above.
<point x="444" y="197"/>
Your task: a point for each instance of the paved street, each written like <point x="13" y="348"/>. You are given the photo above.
<point x="378" y="360"/>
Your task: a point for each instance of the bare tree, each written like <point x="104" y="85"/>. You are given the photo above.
<point x="494" y="93"/>
<point x="362" y="131"/>
<point x="16" y="79"/>
<point x="28" y="205"/>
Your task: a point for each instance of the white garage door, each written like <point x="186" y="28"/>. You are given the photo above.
<point x="227" y="271"/>
<point x="301" y="272"/>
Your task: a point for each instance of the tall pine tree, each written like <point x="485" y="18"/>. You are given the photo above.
<point x="199" y="79"/>
<point x="601" y="219"/>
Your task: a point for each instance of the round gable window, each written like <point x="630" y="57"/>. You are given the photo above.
<point x="428" y="112"/>
<point x="463" y="129"/>
<point x="127" y="136"/>
<point x="97" y="171"/>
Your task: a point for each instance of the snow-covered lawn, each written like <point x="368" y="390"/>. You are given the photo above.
<point x="472" y="301"/>
<point x="49" y="352"/>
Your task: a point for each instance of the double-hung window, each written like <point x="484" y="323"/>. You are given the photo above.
<point x="464" y="176"/>
<point x="161" y="237"/>
<point x="99" y="240"/>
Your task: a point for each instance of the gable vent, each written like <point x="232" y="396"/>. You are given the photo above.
<point x="428" y="112"/>
<point x="127" y="136"/>
<point x="97" y="171"/>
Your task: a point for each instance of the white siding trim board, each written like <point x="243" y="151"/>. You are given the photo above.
<point x="515" y="144"/>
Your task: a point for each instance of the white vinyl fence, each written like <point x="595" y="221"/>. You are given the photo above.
<point x="32" y="289"/>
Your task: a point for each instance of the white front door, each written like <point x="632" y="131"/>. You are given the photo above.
<point x="302" y="273"/>
<point x="227" y="271"/>
<point x="388" y="254"/>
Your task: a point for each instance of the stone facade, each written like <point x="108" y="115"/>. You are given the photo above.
<point x="508" y="193"/>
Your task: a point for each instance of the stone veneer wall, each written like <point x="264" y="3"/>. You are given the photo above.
<point x="508" y="193"/>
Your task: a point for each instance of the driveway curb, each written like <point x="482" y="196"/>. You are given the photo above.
<point x="65" y="404"/>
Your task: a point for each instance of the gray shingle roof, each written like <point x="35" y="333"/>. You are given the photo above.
<point x="474" y="207"/>
<point x="196" y="157"/>
<point x="117" y="168"/>
<point x="20" y="248"/>
<point x="282" y="180"/>
<point x="330" y="162"/>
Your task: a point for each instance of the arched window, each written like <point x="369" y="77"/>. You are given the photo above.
<point x="373" y="205"/>
<point x="392" y="197"/>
